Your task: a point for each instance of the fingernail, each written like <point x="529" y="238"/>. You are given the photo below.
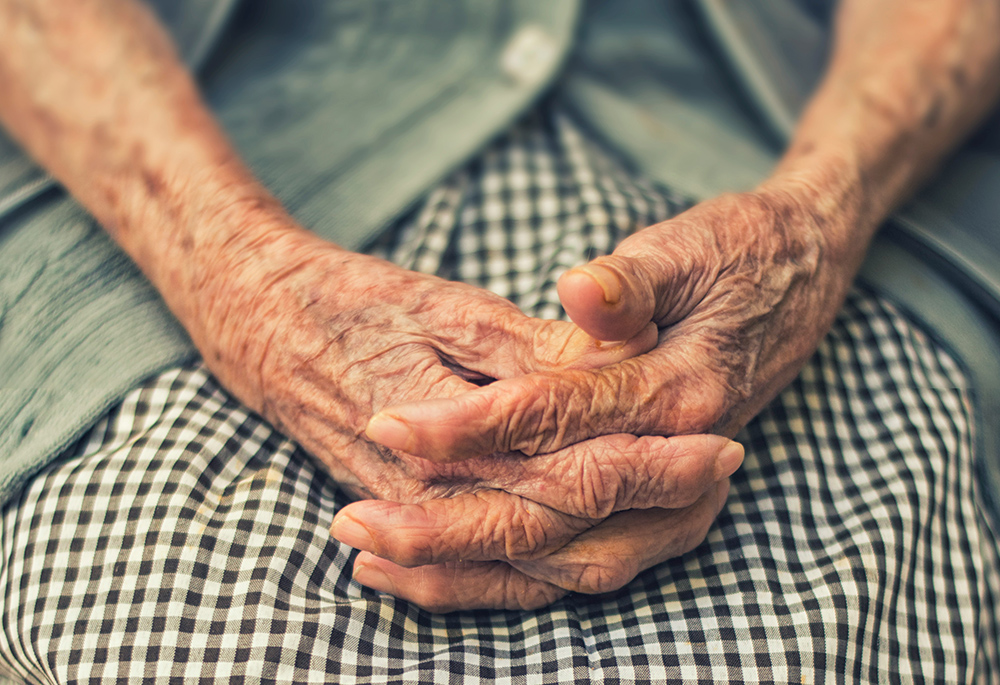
<point x="607" y="279"/>
<point x="374" y="578"/>
<point x="353" y="533"/>
<point x="389" y="431"/>
<point x="728" y="460"/>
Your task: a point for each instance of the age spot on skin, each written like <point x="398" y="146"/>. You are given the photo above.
<point x="933" y="115"/>
<point x="155" y="185"/>
<point x="959" y="77"/>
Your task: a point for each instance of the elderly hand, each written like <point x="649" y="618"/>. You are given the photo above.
<point x="318" y="340"/>
<point x="742" y="288"/>
<point x="538" y="527"/>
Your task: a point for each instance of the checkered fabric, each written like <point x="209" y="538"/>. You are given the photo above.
<point x="184" y="540"/>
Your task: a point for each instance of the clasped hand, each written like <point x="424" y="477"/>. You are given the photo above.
<point x="514" y="460"/>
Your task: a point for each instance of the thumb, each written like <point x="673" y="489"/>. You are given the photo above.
<point x="654" y="275"/>
<point x="605" y="300"/>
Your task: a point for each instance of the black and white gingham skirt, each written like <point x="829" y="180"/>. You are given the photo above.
<point x="184" y="540"/>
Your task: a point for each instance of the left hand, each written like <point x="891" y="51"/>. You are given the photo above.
<point x="742" y="288"/>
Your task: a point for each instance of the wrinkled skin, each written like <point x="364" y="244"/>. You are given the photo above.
<point x="334" y="337"/>
<point x="741" y="289"/>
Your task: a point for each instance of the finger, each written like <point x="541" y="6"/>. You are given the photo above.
<point x="656" y="275"/>
<point x="602" y="560"/>
<point x="656" y="394"/>
<point x="596" y="478"/>
<point x="485" y="525"/>
<point x="610" y="555"/>
<point x="604" y="302"/>
<point x="553" y="500"/>
<point x="452" y="587"/>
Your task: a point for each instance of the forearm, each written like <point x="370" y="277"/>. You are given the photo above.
<point x="94" y="90"/>
<point x="907" y="81"/>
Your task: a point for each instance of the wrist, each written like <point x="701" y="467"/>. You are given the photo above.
<point x="829" y="193"/>
<point x="211" y="253"/>
<point x="239" y="292"/>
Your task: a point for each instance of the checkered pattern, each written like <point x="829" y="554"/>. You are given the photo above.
<point x="184" y="540"/>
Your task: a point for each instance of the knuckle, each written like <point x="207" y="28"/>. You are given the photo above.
<point x="413" y="537"/>
<point x="534" y="421"/>
<point x="495" y="435"/>
<point x="606" y="481"/>
<point x="556" y="409"/>
<point x="592" y="501"/>
<point x="525" y="536"/>
<point x="693" y="401"/>
<point x="475" y="531"/>
<point x="705" y="407"/>
<point x="660" y="485"/>
<point x="644" y="398"/>
<point x="493" y="525"/>
<point x="605" y="391"/>
<point x="413" y="549"/>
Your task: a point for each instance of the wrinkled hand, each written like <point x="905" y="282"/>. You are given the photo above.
<point x="742" y="288"/>
<point x="633" y="508"/>
<point x="318" y="340"/>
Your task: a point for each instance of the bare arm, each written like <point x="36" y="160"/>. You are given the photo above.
<point x="94" y="90"/>
<point x="907" y="81"/>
